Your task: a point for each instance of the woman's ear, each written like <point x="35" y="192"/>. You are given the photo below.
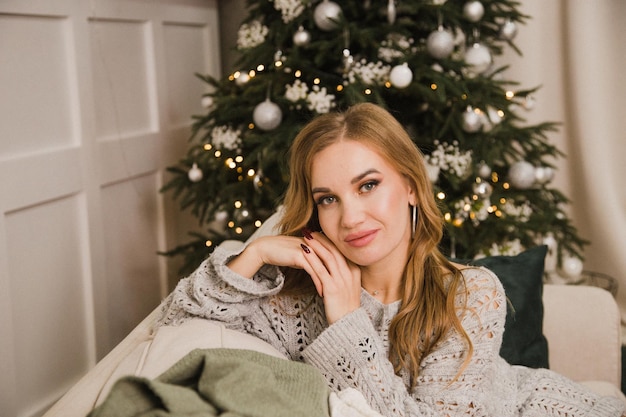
<point x="412" y="196"/>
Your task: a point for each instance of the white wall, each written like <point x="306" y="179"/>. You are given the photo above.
<point x="573" y="50"/>
<point x="96" y="99"/>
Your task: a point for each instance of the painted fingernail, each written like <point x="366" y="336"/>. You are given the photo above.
<point x="305" y="248"/>
<point x="307" y="234"/>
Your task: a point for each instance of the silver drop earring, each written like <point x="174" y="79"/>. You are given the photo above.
<point x="413" y="220"/>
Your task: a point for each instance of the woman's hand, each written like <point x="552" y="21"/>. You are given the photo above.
<point x="337" y="279"/>
<point x="270" y="250"/>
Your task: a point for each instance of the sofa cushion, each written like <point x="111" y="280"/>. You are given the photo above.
<point x="522" y="278"/>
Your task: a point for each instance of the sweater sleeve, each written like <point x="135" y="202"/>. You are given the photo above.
<point x="213" y="291"/>
<point x="351" y="355"/>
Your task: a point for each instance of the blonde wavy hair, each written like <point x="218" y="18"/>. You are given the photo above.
<point x="430" y="282"/>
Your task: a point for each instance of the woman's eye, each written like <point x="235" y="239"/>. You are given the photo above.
<point x="369" y="186"/>
<point x="325" y="200"/>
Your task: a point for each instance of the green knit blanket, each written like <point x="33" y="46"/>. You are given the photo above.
<point x="222" y="382"/>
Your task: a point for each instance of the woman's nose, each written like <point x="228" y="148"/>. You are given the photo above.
<point x="352" y="212"/>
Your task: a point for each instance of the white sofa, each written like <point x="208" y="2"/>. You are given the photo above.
<point x="581" y="323"/>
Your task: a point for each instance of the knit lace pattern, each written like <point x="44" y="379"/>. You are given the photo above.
<point x="353" y="352"/>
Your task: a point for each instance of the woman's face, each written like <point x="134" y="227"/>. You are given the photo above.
<point x="363" y="203"/>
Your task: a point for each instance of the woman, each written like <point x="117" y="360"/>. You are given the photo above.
<point x="355" y="285"/>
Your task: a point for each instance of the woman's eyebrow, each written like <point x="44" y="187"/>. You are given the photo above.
<point x="353" y="181"/>
<point x="364" y="174"/>
<point x="320" y="190"/>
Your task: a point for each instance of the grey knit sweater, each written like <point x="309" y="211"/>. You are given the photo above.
<point x="353" y="352"/>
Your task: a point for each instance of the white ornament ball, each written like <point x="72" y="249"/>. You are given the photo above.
<point x="401" y="76"/>
<point x="472" y="121"/>
<point x="522" y="175"/>
<point x="508" y="31"/>
<point x="473" y="11"/>
<point x="302" y="37"/>
<point x="326" y="15"/>
<point x="207" y="102"/>
<point x="479" y="58"/>
<point x="194" y="174"/>
<point x="437" y="67"/>
<point x="221" y="216"/>
<point x="267" y="115"/>
<point x="484" y="170"/>
<point x="572" y="267"/>
<point x="440" y="43"/>
<point x="544" y="175"/>
<point x="243" y="78"/>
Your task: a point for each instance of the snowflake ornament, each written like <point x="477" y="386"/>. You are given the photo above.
<point x="225" y="137"/>
<point x="251" y="35"/>
<point x="451" y="159"/>
<point x="521" y="212"/>
<point x="289" y="9"/>
<point x="319" y="100"/>
<point x="394" y="47"/>
<point x="510" y="248"/>
<point x="369" y="73"/>
<point x="296" y="91"/>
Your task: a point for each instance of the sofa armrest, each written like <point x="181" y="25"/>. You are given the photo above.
<point x="582" y="325"/>
<point x="82" y="397"/>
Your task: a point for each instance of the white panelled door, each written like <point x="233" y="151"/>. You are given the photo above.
<point x="96" y="99"/>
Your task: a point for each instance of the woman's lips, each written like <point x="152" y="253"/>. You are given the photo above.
<point x="360" y="239"/>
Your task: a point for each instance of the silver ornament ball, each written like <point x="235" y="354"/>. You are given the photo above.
<point x="522" y="175"/>
<point x="221" y="217"/>
<point x="478" y="57"/>
<point x="207" y="102"/>
<point x="472" y="121"/>
<point x="242" y="79"/>
<point x="544" y="175"/>
<point x="401" y="76"/>
<point x="508" y="31"/>
<point x="267" y="115"/>
<point x="194" y="174"/>
<point x="572" y="267"/>
<point x="440" y="43"/>
<point x="302" y="37"/>
<point x="484" y="170"/>
<point x="473" y="11"/>
<point x="326" y="15"/>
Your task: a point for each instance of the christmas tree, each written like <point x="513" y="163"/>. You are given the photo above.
<point x="432" y="63"/>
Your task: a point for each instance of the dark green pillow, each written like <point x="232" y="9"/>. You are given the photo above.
<point x="522" y="278"/>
